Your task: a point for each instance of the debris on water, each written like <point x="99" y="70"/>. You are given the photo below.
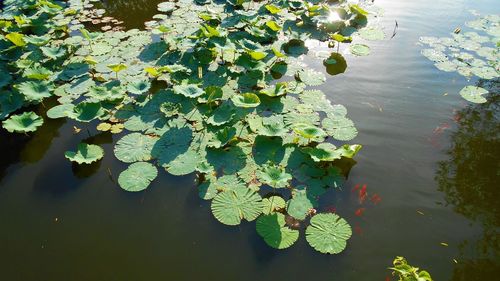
<point x="420" y="213"/>
<point x="444" y="244"/>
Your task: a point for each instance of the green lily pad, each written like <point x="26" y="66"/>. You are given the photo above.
<point x="311" y="77"/>
<point x="359" y="50"/>
<point x="134" y="147"/>
<point x="300" y="204"/>
<point x="190" y="90"/>
<point x="274" y="176"/>
<point x="474" y="94"/>
<point x="272" y="204"/>
<point x="85" y="154"/>
<point x="248" y="100"/>
<point x="23" y="123"/>
<point x="231" y="206"/>
<point x="34" y="91"/>
<point x="371" y="33"/>
<point x="308" y="131"/>
<point x="272" y="228"/>
<point x="328" y="233"/>
<point x="137" y="176"/>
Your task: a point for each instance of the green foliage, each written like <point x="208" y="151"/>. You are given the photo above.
<point x="406" y="272"/>
<point x="328" y="233"/>
<point x="85" y="154"/>
<point x="217" y="107"/>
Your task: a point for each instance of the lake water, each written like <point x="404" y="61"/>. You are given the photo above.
<point x="432" y="158"/>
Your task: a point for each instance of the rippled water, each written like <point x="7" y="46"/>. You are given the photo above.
<point x="432" y="158"/>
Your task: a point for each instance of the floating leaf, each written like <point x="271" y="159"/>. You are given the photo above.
<point x="85" y="154"/>
<point x="272" y="228"/>
<point x="137" y="176"/>
<point x="190" y="90"/>
<point x="371" y="33"/>
<point x="308" y="131"/>
<point x="311" y="77"/>
<point x="16" y="38"/>
<point x="328" y="233"/>
<point x="274" y="176"/>
<point x="23" y="123"/>
<point x="300" y="204"/>
<point x="359" y="50"/>
<point x="34" y="91"/>
<point x="248" y="100"/>
<point x="231" y="206"/>
<point x="134" y="147"/>
<point x="474" y="94"/>
<point x="272" y="204"/>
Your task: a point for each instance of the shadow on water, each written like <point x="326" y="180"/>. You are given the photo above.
<point x="29" y="148"/>
<point x="469" y="180"/>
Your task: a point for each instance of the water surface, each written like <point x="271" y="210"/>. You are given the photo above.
<point x="432" y="158"/>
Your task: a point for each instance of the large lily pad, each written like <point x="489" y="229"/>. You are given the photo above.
<point x="23" y="123"/>
<point x="231" y="206"/>
<point x="328" y="233"/>
<point x="134" y="147"/>
<point x="137" y="176"/>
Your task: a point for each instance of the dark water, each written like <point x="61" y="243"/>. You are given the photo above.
<point x="423" y="152"/>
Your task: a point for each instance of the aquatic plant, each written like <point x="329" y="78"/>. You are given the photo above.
<point x="470" y="53"/>
<point x="222" y="93"/>
<point x="406" y="272"/>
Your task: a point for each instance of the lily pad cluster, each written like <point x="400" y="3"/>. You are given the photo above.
<point x="474" y="53"/>
<point x="216" y="88"/>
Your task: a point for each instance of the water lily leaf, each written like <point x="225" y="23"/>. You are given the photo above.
<point x="137" y="176"/>
<point x="340" y="128"/>
<point x="230" y="207"/>
<point x="228" y="161"/>
<point x="308" y="131"/>
<point x="273" y="204"/>
<point x="221" y="115"/>
<point x="371" y="33"/>
<point x="300" y="204"/>
<point x="328" y="233"/>
<point x="190" y="90"/>
<point x="60" y="111"/>
<point x="311" y="77"/>
<point x="23" y="123"/>
<point x="359" y="49"/>
<point x="117" y="67"/>
<point x="184" y="164"/>
<point x="134" y="147"/>
<point x="474" y="94"/>
<point x="34" y="91"/>
<point x="171" y="144"/>
<point x="335" y="64"/>
<point x="272" y="228"/>
<point x="53" y="52"/>
<point x="104" y="127"/>
<point x="273" y="126"/>
<point x="87" y="111"/>
<point x="279" y="89"/>
<point x="273" y="9"/>
<point x="248" y="100"/>
<point x="85" y="154"/>
<point x="166" y="7"/>
<point x="222" y="137"/>
<point x="274" y="176"/>
<point x="138" y="87"/>
<point x="16" y="39"/>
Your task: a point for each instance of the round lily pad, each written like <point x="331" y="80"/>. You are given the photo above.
<point x="359" y="50"/>
<point x="328" y="233"/>
<point x="231" y="206"/>
<point x="474" y="94"/>
<point x="134" y="147"/>
<point x="137" y="176"/>
<point x="248" y="100"/>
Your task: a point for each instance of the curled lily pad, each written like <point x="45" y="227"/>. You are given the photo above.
<point x="85" y="154"/>
<point x="274" y="176"/>
<point x="272" y="228"/>
<point x="34" y="90"/>
<point x="23" y="123"/>
<point x="190" y="90"/>
<point x="328" y="233"/>
<point x="359" y="50"/>
<point x="231" y="206"/>
<point x="137" y="176"/>
<point x="248" y="100"/>
<point x="474" y="94"/>
<point x="308" y="131"/>
<point x="86" y="111"/>
<point x="134" y="147"/>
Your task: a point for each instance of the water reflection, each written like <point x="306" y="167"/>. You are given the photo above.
<point x="469" y="179"/>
